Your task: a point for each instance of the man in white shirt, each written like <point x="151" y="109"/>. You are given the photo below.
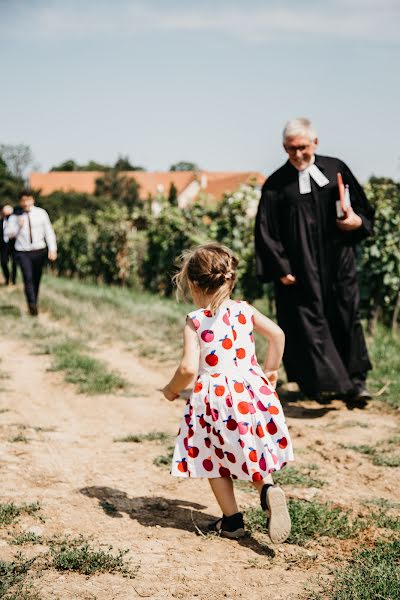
<point x="35" y="241"/>
<point x="307" y="250"/>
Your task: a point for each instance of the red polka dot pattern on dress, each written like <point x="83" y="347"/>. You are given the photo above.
<point x="233" y="423"/>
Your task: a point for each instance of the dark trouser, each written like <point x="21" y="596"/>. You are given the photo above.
<point x="32" y="264"/>
<point x="7" y="254"/>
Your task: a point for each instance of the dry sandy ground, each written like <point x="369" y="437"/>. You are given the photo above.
<point x="76" y="464"/>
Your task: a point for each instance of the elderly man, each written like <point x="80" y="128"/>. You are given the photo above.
<point x="7" y="248"/>
<point x="308" y="252"/>
<point x="35" y="241"/>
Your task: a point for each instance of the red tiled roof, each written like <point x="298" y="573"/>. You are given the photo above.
<point x="229" y="182"/>
<point x="151" y="183"/>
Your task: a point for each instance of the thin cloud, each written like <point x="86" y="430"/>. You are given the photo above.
<point x="337" y="19"/>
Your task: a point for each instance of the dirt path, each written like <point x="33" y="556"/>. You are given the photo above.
<point x="72" y="464"/>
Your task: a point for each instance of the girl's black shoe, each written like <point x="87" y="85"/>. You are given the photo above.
<point x="229" y="527"/>
<point x="273" y="502"/>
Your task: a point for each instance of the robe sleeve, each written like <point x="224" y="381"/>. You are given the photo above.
<point x="361" y="207"/>
<point x="271" y="259"/>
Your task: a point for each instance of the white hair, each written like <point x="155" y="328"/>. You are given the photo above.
<point x="300" y="126"/>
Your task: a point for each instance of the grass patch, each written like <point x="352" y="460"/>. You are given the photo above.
<point x="78" y="555"/>
<point x="382" y="503"/>
<point x="19" y="438"/>
<point x="372" y="574"/>
<point x="352" y="424"/>
<point x="295" y="477"/>
<point x="44" y="429"/>
<point x="310" y="521"/>
<point x="378" y="456"/>
<point x="12" y="579"/>
<point x="153" y="436"/>
<point x="165" y="459"/>
<point x="103" y="311"/>
<point x="385" y="355"/>
<point x="26" y="538"/>
<point x="88" y="373"/>
<point x="386" y="461"/>
<point x="10" y="512"/>
<point x="386" y="521"/>
<point x="288" y="476"/>
<point x="9" y="310"/>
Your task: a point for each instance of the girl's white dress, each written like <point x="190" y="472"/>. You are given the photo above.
<point x="233" y="423"/>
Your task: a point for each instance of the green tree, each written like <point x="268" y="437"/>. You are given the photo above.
<point x="59" y="204"/>
<point x="76" y="237"/>
<point x="71" y="165"/>
<point x="380" y="254"/>
<point x="173" y="195"/>
<point x="168" y="235"/>
<point x="10" y="186"/>
<point x="184" y="166"/>
<point x="118" y="249"/>
<point x="18" y="157"/>
<point x="68" y="165"/>
<point x="118" y="187"/>
<point x="233" y="225"/>
<point x="123" y="164"/>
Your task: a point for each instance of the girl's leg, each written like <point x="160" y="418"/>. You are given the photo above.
<point x="260" y="484"/>
<point x="273" y="502"/>
<point x="224" y="494"/>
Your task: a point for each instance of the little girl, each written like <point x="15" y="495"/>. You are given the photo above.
<point x="233" y="426"/>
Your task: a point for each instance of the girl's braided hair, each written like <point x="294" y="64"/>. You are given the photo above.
<point x="211" y="268"/>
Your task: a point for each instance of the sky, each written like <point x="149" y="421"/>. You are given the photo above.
<point x="211" y="82"/>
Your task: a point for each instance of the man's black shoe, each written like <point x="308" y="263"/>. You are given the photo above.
<point x="33" y="310"/>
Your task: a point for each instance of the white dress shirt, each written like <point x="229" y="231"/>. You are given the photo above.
<point x="311" y="171"/>
<point x="35" y="233"/>
<point x="5" y="238"/>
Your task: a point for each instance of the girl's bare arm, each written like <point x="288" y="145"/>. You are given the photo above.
<point x="189" y="365"/>
<point x="276" y="344"/>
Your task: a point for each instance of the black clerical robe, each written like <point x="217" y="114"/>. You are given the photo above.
<point x="297" y="233"/>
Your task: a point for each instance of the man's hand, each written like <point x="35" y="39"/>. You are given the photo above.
<point x="351" y="222"/>
<point x="21" y="221"/>
<point x="288" y="279"/>
<point x="52" y="256"/>
<point x="169" y="395"/>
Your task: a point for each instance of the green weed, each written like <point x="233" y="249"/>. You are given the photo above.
<point x="9" y="513"/>
<point x="12" y="579"/>
<point x="19" y="438"/>
<point x="310" y="521"/>
<point x="386" y="521"/>
<point x="78" y="555"/>
<point x="26" y="538"/>
<point x="377" y="455"/>
<point x="9" y="310"/>
<point x="289" y="476"/>
<point x="153" y="436"/>
<point x="372" y="574"/>
<point x="88" y="373"/>
<point x="295" y="477"/>
<point x="164" y="459"/>
<point x="138" y="318"/>
<point x="382" y="503"/>
<point x="385" y="354"/>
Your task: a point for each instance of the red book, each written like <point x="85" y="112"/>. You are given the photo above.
<point x="342" y="205"/>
